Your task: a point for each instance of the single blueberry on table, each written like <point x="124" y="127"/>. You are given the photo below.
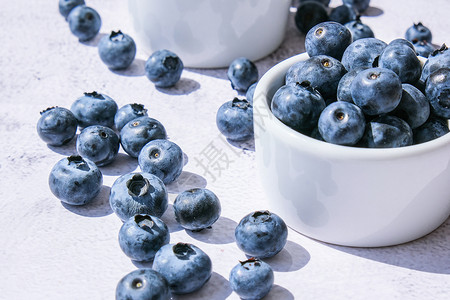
<point x="251" y="279"/>
<point x="423" y="48"/>
<point x="359" y="30"/>
<point x="99" y="144"/>
<point x="143" y="284"/>
<point x="164" y="68"/>
<point x="75" y="180"/>
<point x="242" y="73"/>
<point x="84" y="22"/>
<point x="138" y="193"/>
<point x="419" y="32"/>
<point x="433" y="128"/>
<point x="117" y="50"/>
<point x="403" y="61"/>
<point x="387" y="131"/>
<point x="414" y="107"/>
<point x="127" y="113"/>
<point x="196" y="209"/>
<point x="328" y="38"/>
<point x="141" y="236"/>
<point x="298" y="105"/>
<point x="342" y="123"/>
<point x="309" y="14"/>
<point x="57" y="126"/>
<point x="362" y="53"/>
<point x="94" y="109"/>
<point x="234" y="119"/>
<point x="138" y="132"/>
<point x="65" y="6"/>
<point x="261" y="234"/>
<point x="343" y="14"/>
<point x="162" y="158"/>
<point x="437" y="91"/>
<point x="185" y="266"/>
<point x="360" y="5"/>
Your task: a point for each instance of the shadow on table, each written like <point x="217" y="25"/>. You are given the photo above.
<point x="372" y="12"/>
<point x="293" y="257"/>
<point x="184" y="86"/>
<point x="427" y="254"/>
<point x="217" y="285"/>
<point x="136" y="69"/>
<point x="122" y="164"/>
<point x="186" y="181"/>
<point x="95" y="40"/>
<point x="221" y="232"/>
<point x="99" y="207"/>
<point x="278" y="292"/>
<point x="67" y="149"/>
<point x="169" y="219"/>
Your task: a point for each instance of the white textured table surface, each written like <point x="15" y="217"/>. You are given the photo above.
<point x="54" y="251"/>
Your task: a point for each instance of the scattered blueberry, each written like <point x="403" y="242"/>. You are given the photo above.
<point x="138" y="193"/>
<point x="185" y="266"/>
<point x="387" y="132"/>
<point x="196" y="209"/>
<point x="57" y="126"/>
<point x="328" y="38"/>
<point x="414" y="107"/>
<point x="437" y="91"/>
<point x="94" y="109"/>
<point x="117" y="50"/>
<point x="99" y="144"/>
<point x="309" y="14"/>
<point x="75" y="180"/>
<point x="403" y="61"/>
<point x="362" y="53"/>
<point x="242" y="73"/>
<point x="143" y="284"/>
<point x="127" y="113"/>
<point x="418" y="32"/>
<point x="359" y="30"/>
<point x="65" y="6"/>
<point x="84" y="22"/>
<point x="164" y="68"/>
<point x="343" y="14"/>
<point x="234" y="119"/>
<point x="433" y="128"/>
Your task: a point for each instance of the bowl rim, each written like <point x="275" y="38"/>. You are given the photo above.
<point x="262" y="109"/>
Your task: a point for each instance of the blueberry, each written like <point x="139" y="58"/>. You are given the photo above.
<point x="251" y="279"/>
<point x="323" y="2"/>
<point x="185" y="266"/>
<point x="242" y="73"/>
<point x="403" y="61"/>
<point x="309" y="14"/>
<point x="162" y="158"/>
<point x="84" y="22"/>
<point x="75" y="180"/>
<point x="376" y="90"/>
<point x="141" y="236"/>
<point x="437" y="90"/>
<point x="143" y="284"/>
<point x="234" y="119"/>
<point x="401" y="41"/>
<point x="57" y="126"/>
<point x="328" y="38"/>
<point x="117" y="50"/>
<point x="196" y="209"/>
<point x="423" y="48"/>
<point x="342" y="123"/>
<point x="127" y="113"/>
<point x="418" y="32"/>
<point x="440" y="58"/>
<point x="387" y="132"/>
<point x="362" y="53"/>
<point x="343" y="14"/>
<point x="94" y="109"/>
<point x="343" y="89"/>
<point x="359" y="30"/>
<point x="65" y="6"/>
<point x="250" y="93"/>
<point x="138" y="132"/>
<point x="298" y="106"/>
<point x="138" y="193"/>
<point x="293" y="71"/>
<point x="261" y="234"/>
<point x="413" y="107"/>
<point x="164" y="68"/>
<point x="99" y="144"/>
<point x="360" y="5"/>
<point x="433" y="128"/>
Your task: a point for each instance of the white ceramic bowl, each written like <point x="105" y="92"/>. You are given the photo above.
<point x="210" y="33"/>
<point x="346" y="195"/>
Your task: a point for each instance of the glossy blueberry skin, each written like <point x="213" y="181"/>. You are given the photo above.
<point x="403" y="61"/>
<point x="362" y="53"/>
<point x="94" y="109"/>
<point x="437" y="90"/>
<point x="433" y="128"/>
<point x="251" y="279"/>
<point x="141" y="236"/>
<point x="242" y="73"/>
<point x="234" y="119"/>
<point x="261" y="234"/>
<point x="164" y="68"/>
<point x="418" y="32"/>
<point x="99" y="144"/>
<point x="298" y="105"/>
<point x="138" y="193"/>
<point x="117" y="50"/>
<point x="138" y="132"/>
<point x="423" y="48"/>
<point x="343" y="14"/>
<point x="143" y="284"/>
<point x="360" y="5"/>
<point x="127" y="113"/>
<point x="185" y="266"/>
<point x="162" y="158"/>
<point x="250" y="93"/>
<point x="84" y="22"/>
<point x="196" y="209"/>
<point x="440" y="58"/>
<point x="387" y="132"/>
<point x="414" y="107"/>
<point x="75" y="180"/>
<point x="343" y="89"/>
<point x="401" y="41"/>
<point x="376" y="91"/>
<point x="359" y="30"/>
<point x="342" y="123"/>
<point x="65" y="6"/>
<point x="309" y="14"/>
<point x="328" y="38"/>
<point x="57" y="126"/>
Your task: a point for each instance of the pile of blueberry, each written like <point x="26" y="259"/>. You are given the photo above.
<point x="366" y="93"/>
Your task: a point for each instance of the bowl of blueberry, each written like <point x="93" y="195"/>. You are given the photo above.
<point x="351" y="143"/>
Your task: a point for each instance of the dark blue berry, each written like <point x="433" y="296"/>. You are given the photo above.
<point x="234" y="119"/>
<point x="362" y="53"/>
<point x="94" y="109"/>
<point x="57" y="126"/>
<point x="117" y="50"/>
<point x="403" y="61"/>
<point x="418" y="32"/>
<point x="387" y="132"/>
<point x="127" y="113"/>
<point x="164" y="68"/>
<point x="143" y="284"/>
<point x="328" y="38"/>
<point x="84" y="22"/>
<point x="242" y="73"/>
<point x="99" y="144"/>
<point x="309" y="14"/>
<point x="65" y="6"/>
